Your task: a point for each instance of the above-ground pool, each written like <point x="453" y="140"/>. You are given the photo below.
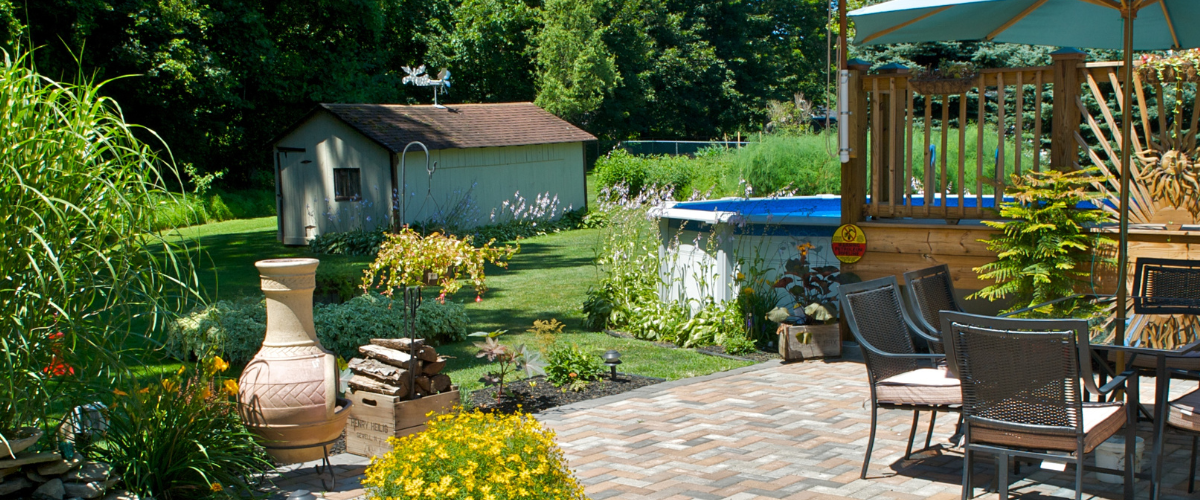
<point x="721" y="248"/>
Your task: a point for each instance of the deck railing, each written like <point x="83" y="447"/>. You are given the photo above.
<point x="949" y="156"/>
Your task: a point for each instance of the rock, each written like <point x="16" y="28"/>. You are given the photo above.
<point x="30" y="458"/>
<point x="8" y="472"/>
<point x="121" y="495"/>
<point x="52" y="490"/>
<point x="13" y="486"/>
<point x="89" y="472"/>
<point x="84" y="490"/>
<point x="32" y="475"/>
<point x="60" y="467"/>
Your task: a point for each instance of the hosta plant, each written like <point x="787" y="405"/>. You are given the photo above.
<point x="1045" y="250"/>
<point x="571" y="367"/>
<point x="474" y="455"/>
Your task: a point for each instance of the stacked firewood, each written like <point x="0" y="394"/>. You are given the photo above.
<point x="390" y="367"/>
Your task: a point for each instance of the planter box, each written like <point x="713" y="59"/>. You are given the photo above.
<point x="375" y="417"/>
<point x="823" y="341"/>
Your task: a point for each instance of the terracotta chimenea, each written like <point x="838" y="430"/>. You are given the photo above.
<point x="288" y="392"/>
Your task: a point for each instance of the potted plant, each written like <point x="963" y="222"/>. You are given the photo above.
<point x="808" y="328"/>
<point x="1176" y="67"/>
<point x="949" y="77"/>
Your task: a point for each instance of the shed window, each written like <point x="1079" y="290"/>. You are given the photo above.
<point x="347" y="184"/>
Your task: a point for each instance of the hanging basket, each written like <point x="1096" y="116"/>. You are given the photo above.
<point x="942" y="86"/>
<point x="1182" y="72"/>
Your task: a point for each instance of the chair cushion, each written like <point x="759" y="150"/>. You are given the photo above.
<point x="1189" y="361"/>
<point x="1184" y="412"/>
<point x="925" y="386"/>
<point x="1100" y="422"/>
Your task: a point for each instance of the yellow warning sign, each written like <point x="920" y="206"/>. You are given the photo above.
<point x="849" y="243"/>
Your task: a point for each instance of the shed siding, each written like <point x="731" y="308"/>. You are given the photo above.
<point x="308" y="188"/>
<point x="490" y="176"/>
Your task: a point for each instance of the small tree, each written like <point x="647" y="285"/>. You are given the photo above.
<point x="1046" y="249"/>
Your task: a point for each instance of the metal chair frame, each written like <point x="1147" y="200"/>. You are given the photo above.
<point x="870" y="351"/>
<point x="1071" y="329"/>
<point x="1147" y="295"/>
<point x="926" y="313"/>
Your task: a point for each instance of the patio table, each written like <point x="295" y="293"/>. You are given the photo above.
<point x="1156" y="327"/>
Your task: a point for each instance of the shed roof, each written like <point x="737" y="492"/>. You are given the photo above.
<point x="456" y="126"/>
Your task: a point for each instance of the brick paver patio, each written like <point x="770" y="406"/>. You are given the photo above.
<point x="768" y="431"/>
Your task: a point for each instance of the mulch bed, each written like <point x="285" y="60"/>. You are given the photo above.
<point x="536" y="394"/>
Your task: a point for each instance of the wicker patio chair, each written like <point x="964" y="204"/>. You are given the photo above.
<point x="930" y="291"/>
<point x="898" y="381"/>
<point x="1184" y="414"/>
<point x="1167" y="286"/>
<point x="1021" y="392"/>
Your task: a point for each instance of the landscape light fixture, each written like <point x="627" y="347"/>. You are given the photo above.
<point x="612" y="358"/>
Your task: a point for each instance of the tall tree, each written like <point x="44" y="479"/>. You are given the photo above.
<point x="487" y="45"/>
<point x="576" y="70"/>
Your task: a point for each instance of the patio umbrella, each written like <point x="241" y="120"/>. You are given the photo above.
<point x="1157" y="25"/>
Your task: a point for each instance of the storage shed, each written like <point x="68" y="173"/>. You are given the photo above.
<point x="339" y="168"/>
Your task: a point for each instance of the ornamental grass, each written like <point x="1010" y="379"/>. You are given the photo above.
<point x="474" y="456"/>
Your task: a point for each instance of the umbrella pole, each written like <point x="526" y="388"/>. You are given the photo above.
<point x="1128" y="14"/>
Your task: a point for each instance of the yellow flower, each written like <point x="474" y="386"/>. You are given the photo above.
<point x="231" y="387"/>
<point x="119" y="392"/>
<point x="170" y="385"/>
<point x="206" y="393"/>
<point x="181" y="370"/>
<point x="144" y="390"/>
<point x="741" y="276"/>
<point x="216" y="487"/>
<point x="219" y="364"/>
<point x="748" y="291"/>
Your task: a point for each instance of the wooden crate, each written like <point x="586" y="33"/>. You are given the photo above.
<point x="376" y="417"/>
<point x="824" y="341"/>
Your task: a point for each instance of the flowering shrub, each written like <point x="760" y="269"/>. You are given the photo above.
<point x="473" y="455"/>
<point x="404" y="257"/>
<point x="181" y="437"/>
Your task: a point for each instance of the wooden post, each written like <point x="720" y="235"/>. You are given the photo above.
<point x="1063" y="149"/>
<point x="892" y="141"/>
<point x="854" y="173"/>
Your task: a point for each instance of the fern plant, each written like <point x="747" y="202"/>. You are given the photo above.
<point x="1045" y="249"/>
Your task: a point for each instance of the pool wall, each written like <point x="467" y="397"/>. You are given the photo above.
<point x="705" y="245"/>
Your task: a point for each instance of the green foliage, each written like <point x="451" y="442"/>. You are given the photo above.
<point x="181" y="438"/>
<point x="778" y="163"/>
<point x="81" y="264"/>
<point x="1045" y="250"/>
<point x="213" y="206"/>
<point x="800" y="164"/>
<point x="571" y="366"/>
<point x="337" y="281"/>
<point x="638" y="172"/>
<point x="627" y="297"/>
<point x="576" y="70"/>
<point x="342" y="328"/>
<point x="233" y="329"/>
<point x="442" y="323"/>
<point x="488" y="42"/>
<point x="357" y="242"/>
<point x="508" y="359"/>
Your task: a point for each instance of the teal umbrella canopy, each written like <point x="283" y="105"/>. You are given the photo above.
<point x="1160" y="24"/>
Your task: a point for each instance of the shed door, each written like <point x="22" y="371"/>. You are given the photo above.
<point x="293" y="180"/>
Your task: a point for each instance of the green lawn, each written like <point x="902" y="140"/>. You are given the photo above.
<point x="549" y="278"/>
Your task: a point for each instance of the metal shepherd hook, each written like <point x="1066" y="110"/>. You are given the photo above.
<point x="404" y="179"/>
